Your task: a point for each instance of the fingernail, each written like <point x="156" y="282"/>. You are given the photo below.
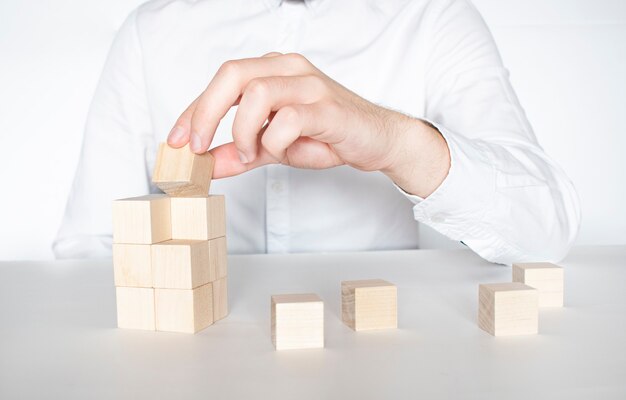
<point x="176" y="134"/>
<point x="242" y="157"/>
<point x="195" y="143"/>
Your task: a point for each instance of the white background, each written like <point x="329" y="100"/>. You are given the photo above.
<point x="567" y="60"/>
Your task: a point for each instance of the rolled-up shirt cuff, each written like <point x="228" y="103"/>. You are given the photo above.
<point x="459" y="204"/>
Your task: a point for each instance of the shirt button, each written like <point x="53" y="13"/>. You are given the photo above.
<point x="277" y="187"/>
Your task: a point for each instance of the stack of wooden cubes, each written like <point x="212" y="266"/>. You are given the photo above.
<point x="169" y="250"/>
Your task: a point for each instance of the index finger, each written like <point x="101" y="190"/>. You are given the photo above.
<point x="226" y="87"/>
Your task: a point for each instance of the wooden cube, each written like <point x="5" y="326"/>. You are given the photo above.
<point x="135" y="308"/>
<point x="142" y="220"/>
<point x="218" y="255"/>
<point x="182" y="264"/>
<point x="508" y="309"/>
<point x="184" y="310"/>
<point x="369" y="304"/>
<point x="220" y="298"/>
<point x="297" y="321"/>
<point x="198" y="218"/>
<point x="132" y="265"/>
<point x="180" y="172"/>
<point x="547" y="278"/>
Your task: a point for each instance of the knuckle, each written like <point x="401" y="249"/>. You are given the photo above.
<point x="317" y="83"/>
<point x="289" y="115"/>
<point x="257" y="87"/>
<point x="331" y="108"/>
<point x="297" y="60"/>
<point x="230" y="67"/>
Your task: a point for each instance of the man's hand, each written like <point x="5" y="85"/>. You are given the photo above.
<point x="291" y="113"/>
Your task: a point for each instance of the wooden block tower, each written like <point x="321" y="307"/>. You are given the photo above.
<point x="169" y="250"/>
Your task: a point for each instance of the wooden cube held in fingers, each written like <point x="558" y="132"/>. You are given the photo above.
<point x="198" y="218"/>
<point x="135" y="308"/>
<point x="369" y="304"/>
<point x="507" y="309"/>
<point x="220" y="298"/>
<point x="182" y="264"/>
<point x="297" y="321"/>
<point x="180" y="172"/>
<point x="132" y="265"/>
<point x="184" y="310"/>
<point x="547" y="278"/>
<point x="142" y="220"/>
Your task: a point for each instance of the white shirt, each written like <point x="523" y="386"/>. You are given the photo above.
<point x="436" y="60"/>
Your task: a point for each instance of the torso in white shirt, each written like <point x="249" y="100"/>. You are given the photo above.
<point x="503" y="196"/>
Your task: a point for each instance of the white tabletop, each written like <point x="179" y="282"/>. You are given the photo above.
<point x="58" y="337"/>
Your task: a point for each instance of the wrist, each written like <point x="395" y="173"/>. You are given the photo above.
<point x="419" y="157"/>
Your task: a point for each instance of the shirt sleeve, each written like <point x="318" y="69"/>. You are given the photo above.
<point x="117" y="146"/>
<point x="503" y="196"/>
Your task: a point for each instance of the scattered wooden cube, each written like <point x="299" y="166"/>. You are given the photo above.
<point x="369" y="304"/>
<point x="142" y="220"/>
<point x="547" y="278"/>
<point x="132" y="265"/>
<point x="220" y="298"/>
<point x="135" y="308"/>
<point x="508" y="309"/>
<point x="297" y="321"/>
<point x="180" y="172"/>
<point x="198" y="218"/>
<point x="184" y="310"/>
<point x="182" y="264"/>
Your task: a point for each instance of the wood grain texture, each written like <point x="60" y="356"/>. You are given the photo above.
<point x="182" y="264"/>
<point x="142" y="220"/>
<point x="184" y="310"/>
<point x="369" y="304"/>
<point x="297" y="321"/>
<point x="132" y="265"/>
<point x="220" y="298"/>
<point x="198" y="218"/>
<point x="180" y="172"/>
<point x="547" y="278"/>
<point x="135" y="308"/>
<point x="507" y="309"/>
